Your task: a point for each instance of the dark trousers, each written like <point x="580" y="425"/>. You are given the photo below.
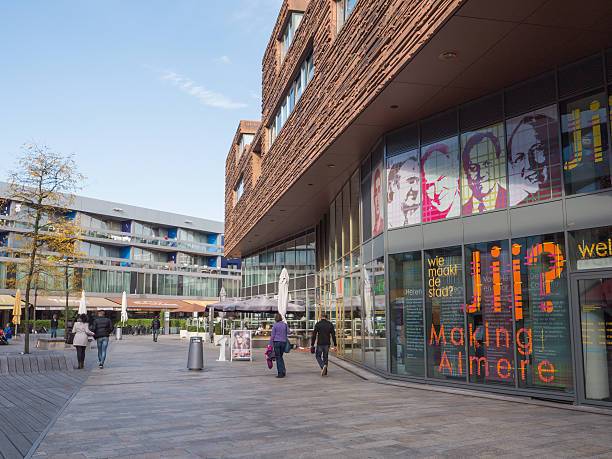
<point x="279" y="349"/>
<point x="54" y="333"/>
<point x="322" y="349"/>
<point x="81" y="354"/>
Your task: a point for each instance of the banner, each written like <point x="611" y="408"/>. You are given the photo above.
<point x="241" y="345"/>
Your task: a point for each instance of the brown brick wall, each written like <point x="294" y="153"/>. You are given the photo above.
<point x="351" y="69"/>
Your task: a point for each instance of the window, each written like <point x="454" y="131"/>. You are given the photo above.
<point x="239" y="189"/>
<point x="293" y="94"/>
<point x="344" y="8"/>
<point x="289" y="33"/>
<point x="245" y="140"/>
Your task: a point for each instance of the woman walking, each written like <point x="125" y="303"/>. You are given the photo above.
<point x="81" y="338"/>
<point x="278" y="340"/>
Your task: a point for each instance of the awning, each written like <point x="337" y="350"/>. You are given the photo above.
<point x="8" y="301"/>
<point x="153" y="304"/>
<point x="54" y="303"/>
<point x="201" y="302"/>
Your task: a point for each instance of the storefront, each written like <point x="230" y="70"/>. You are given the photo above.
<point x="474" y="248"/>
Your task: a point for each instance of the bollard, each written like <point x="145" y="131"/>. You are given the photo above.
<point x="118" y="333"/>
<point x="222" y="342"/>
<point x="195" y="359"/>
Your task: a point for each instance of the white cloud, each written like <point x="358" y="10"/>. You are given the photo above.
<point x="206" y="96"/>
<point x="255" y="95"/>
<point x="224" y="60"/>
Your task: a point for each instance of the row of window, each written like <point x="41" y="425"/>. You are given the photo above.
<point x="289" y="33"/>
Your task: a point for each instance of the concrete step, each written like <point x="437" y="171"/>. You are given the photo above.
<point x="35" y="363"/>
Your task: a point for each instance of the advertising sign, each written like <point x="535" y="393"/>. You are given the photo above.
<point x="241" y="345"/>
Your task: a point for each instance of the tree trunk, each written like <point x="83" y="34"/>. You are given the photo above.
<point x="67" y="293"/>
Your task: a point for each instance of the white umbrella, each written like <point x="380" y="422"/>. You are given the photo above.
<point x="283" y="292"/>
<point x="124" y="316"/>
<point x="367" y="296"/>
<point x="82" y="303"/>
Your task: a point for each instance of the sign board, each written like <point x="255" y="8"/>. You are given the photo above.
<point x="167" y="315"/>
<point x="241" y="345"/>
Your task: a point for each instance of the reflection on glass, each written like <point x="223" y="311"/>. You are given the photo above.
<point x="356" y="323"/>
<point x="591" y="248"/>
<point x="483" y="158"/>
<point x="403" y="190"/>
<point x="406" y="309"/>
<point x="586" y="154"/>
<point x="534" y="158"/>
<point x="368" y="315"/>
<point x="440" y="180"/>
<point x="380" y="313"/>
<point x="445" y="321"/>
<point x="541" y="312"/>
<point x="366" y="208"/>
<point x="489" y="334"/>
<point x="595" y="299"/>
<point x="377" y="199"/>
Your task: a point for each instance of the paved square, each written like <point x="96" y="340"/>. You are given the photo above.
<point x="146" y="404"/>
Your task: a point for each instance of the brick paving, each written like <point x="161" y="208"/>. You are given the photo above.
<point x="146" y="404"/>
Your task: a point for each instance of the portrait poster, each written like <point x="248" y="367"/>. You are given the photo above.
<point x="483" y="170"/>
<point x="403" y="190"/>
<point x="534" y="157"/>
<point x="241" y="345"/>
<point x="377" y="199"/>
<point x="440" y="180"/>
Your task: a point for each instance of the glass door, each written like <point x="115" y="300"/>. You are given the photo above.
<point x="594" y="306"/>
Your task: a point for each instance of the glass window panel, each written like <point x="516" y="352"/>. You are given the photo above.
<point x="534" y="162"/>
<point x="368" y="315"/>
<point x="366" y="209"/>
<point x="406" y="314"/>
<point x="483" y="184"/>
<point x="332" y="232"/>
<point x="541" y="312"/>
<point x="339" y="228"/>
<point x="591" y="248"/>
<point x="595" y="300"/>
<point x="440" y="180"/>
<point x="380" y="314"/>
<point x="377" y="199"/>
<point x="489" y="335"/>
<point x="403" y="190"/>
<point x="346" y="219"/>
<point x="586" y="149"/>
<point x="355" y="224"/>
<point x="444" y="313"/>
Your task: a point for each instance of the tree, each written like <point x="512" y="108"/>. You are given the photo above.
<point x="42" y="184"/>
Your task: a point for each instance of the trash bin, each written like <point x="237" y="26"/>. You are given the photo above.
<point x="118" y="333"/>
<point x="195" y="359"/>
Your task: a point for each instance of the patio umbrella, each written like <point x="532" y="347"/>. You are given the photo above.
<point x="124" y="316"/>
<point x="82" y="303"/>
<point x="265" y="304"/>
<point x="17" y="309"/>
<point x="190" y="307"/>
<point x="283" y="293"/>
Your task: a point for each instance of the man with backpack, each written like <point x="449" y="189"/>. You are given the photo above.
<point x="322" y="332"/>
<point x="155" y="326"/>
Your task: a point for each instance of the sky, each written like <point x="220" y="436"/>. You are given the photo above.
<point x="147" y="94"/>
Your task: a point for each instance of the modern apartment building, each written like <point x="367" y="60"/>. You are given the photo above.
<point x="448" y="163"/>
<point x="159" y="258"/>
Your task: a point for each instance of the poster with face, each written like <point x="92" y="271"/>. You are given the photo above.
<point x="377" y="199"/>
<point x="240" y="342"/>
<point x="534" y="163"/>
<point x="440" y="180"/>
<point x="483" y="158"/>
<point x="403" y="190"/>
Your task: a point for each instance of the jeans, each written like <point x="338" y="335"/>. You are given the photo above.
<point x="81" y="354"/>
<point x="322" y="349"/>
<point x="102" y="345"/>
<point x="54" y="333"/>
<point x="155" y="335"/>
<point x="279" y="349"/>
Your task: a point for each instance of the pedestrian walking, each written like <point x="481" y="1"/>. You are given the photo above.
<point x="7" y="332"/>
<point x="278" y="340"/>
<point x="102" y="328"/>
<point x="54" y="324"/>
<point x="155" y="325"/>
<point x="81" y="338"/>
<point x="323" y="331"/>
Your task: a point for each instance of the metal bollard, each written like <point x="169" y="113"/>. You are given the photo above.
<point x="195" y="359"/>
<point x="118" y="333"/>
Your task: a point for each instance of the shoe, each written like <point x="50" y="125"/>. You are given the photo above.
<point x="280" y="376"/>
<point x="324" y="370"/>
<point x="101" y="366"/>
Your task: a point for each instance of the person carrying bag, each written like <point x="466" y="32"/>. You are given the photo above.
<point x="280" y="342"/>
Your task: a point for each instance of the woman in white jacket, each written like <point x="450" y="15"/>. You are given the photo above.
<point x="81" y="338"/>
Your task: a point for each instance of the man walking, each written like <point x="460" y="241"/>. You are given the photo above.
<point x="322" y="332"/>
<point x="54" y="324"/>
<point x="102" y="329"/>
<point x="155" y="325"/>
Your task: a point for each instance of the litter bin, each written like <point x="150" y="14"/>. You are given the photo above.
<point x="118" y="333"/>
<point x="195" y="359"/>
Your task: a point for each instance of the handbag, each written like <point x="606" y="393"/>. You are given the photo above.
<point x="287" y="343"/>
<point x="70" y="338"/>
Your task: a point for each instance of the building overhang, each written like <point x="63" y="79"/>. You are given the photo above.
<point x="495" y="44"/>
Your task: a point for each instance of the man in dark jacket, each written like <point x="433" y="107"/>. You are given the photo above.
<point x="322" y="332"/>
<point x="155" y="326"/>
<point x="53" y="325"/>
<point x="102" y="328"/>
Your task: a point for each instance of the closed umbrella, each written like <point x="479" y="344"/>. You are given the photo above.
<point x="17" y="309"/>
<point x="283" y="293"/>
<point x="82" y="303"/>
<point x="124" y="316"/>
